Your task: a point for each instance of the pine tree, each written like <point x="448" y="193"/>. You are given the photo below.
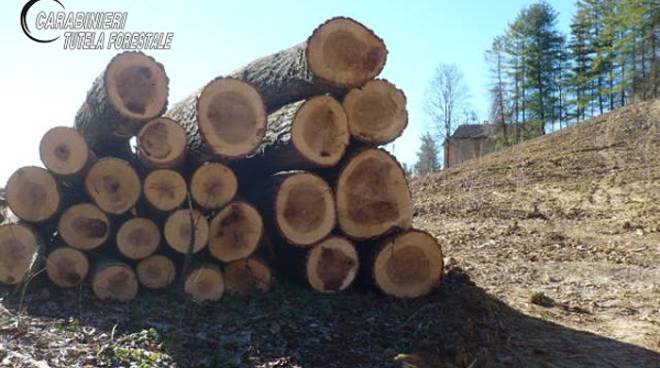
<point x="427" y="156"/>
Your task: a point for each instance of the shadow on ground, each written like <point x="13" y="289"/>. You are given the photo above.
<point x="459" y="325"/>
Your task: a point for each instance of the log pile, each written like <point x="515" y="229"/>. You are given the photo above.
<point x="273" y="170"/>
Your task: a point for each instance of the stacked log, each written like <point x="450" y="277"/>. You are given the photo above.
<point x="273" y="170"/>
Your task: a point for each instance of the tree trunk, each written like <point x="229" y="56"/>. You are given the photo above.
<point x="84" y="226"/>
<point x="301" y="135"/>
<point x="165" y="190"/>
<point x="162" y="144"/>
<point x="205" y="283"/>
<point x="235" y="232"/>
<point x="65" y="154"/>
<point x="19" y="249"/>
<point x="156" y="271"/>
<point x="248" y="276"/>
<point x="226" y="119"/>
<point x="114" y="280"/>
<point x="114" y="185"/>
<point x="340" y="54"/>
<point x="33" y="194"/>
<point x="185" y="228"/>
<point x="406" y="265"/>
<point x="67" y="267"/>
<point x="373" y="197"/>
<point x="138" y="238"/>
<point x="133" y="89"/>
<point x="213" y="185"/>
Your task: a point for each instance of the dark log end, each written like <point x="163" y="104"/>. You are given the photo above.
<point x="247" y="276"/>
<point x="18" y="247"/>
<point x="162" y="144"/>
<point x="332" y="265"/>
<point x="205" y="283"/>
<point x="115" y="281"/>
<point x="156" y="272"/>
<point x="184" y="224"/>
<point x="235" y="232"/>
<point x="84" y="226"/>
<point x="67" y="267"/>
<point x="138" y="238"/>
<point x="33" y="194"/>
<point x="320" y="131"/>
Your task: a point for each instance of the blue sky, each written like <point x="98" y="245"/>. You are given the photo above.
<point x="43" y="85"/>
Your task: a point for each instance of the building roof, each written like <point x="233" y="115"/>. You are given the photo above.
<point x="474" y="131"/>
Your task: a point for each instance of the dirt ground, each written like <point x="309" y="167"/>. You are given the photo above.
<point x="553" y="260"/>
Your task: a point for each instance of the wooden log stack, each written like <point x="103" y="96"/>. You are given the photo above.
<point x="273" y="170"/>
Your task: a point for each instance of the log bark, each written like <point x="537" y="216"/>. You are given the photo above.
<point x="302" y="135"/>
<point x="373" y="197"/>
<point x="65" y="154"/>
<point x="341" y="53"/>
<point x="162" y="144"/>
<point x="84" y="226"/>
<point x="185" y="226"/>
<point x="248" y="276"/>
<point x="138" y="238"/>
<point x="213" y="185"/>
<point x="114" y="185"/>
<point x="405" y="265"/>
<point x="376" y="112"/>
<point x="67" y="267"/>
<point x="165" y="190"/>
<point x="156" y="271"/>
<point x="205" y="283"/>
<point x="235" y="232"/>
<point x="114" y="280"/>
<point x="33" y="194"/>
<point x="19" y="248"/>
<point x="224" y="120"/>
<point x="132" y="90"/>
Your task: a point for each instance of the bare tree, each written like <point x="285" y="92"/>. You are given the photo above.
<point x="446" y="98"/>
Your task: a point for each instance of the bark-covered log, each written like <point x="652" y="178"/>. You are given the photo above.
<point x="235" y="232"/>
<point x="114" y="280"/>
<point x="248" y="276"/>
<point x="132" y="90"/>
<point x="302" y="135"/>
<point x="65" y="154"/>
<point x="184" y="227"/>
<point x="373" y="197"/>
<point x="341" y="53"/>
<point x="67" y="267"/>
<point x="298" y="206"/>
<point x="213" y="185"/>
<point x="33" y="194"/>
<point x="138" y="238"/>
<point x="205" y="283"/>
<point x="162" y="144"/>
<point x="19" y="247"/>
<point x="226" y="119"/>
<point x="165" y="190"/>
<point x="114" y="185"/>
<point x="376" y="112"/>
<point x="405" y="265"/>
<point x="84" y="226"/>
<point x="156" y="271"/>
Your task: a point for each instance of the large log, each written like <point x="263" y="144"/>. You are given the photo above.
<point x="156" y="271"/>
<point x="235" y="232"/>
<point x="132" y="90"/>
<point x="114" y="185"/>
<point x="341" y="53"/>
<point x="138" y="238"/>
<point x="33" y="194"/>
<point x="67" y="267"/>
<point x="65" y="153"/>
<point x="376" y="112"/>
<point x="184" y="227"/>
<point x="302" y="135"/>
<point x="84" y="226"/>
<point x="19" y="246"/>
<point x="205" y="283"/>
<point x="213" y="185"/>
<point x="373" y="197"/>
<point x="114" y="280"/>
<point x="248" y="276"/>
<point x="165" y="190"/>
<point x="405" y="265"/>
<point x="226" y="120"/>
<point x="162" y="144"/>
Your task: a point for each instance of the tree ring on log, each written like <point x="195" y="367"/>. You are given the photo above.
<point x="138" y="238"/>
<point x="67" y="267"/>
<point x="205" y="283"/>
<point x="114" y="185"/>
<point x="332" y="265"/>
<point x="162" y="143"/>
<point x="178" y="230"/>
<point x="33" y="194"/>
<point x="247" y="276"/>
<point x="64" y="151"/>
<point x="165" y="189"/>
<point x="235" y="232"/>
<point x="18" y="247"/>
<point x="156" y="272"/>
<point x="84" y="226"/>
<point x="213" y="185"/>
<point x="115" y="281"/>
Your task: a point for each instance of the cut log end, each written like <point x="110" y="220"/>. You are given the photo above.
<point x="332" y="265"/>
<point x="65" y="152"/>
<point x="84" y="226"/>
<point x="231" y="117"/>
<point x="162" y="144"/>
<point x="376" y="112"/>
<point x="165" y="189"/>
<point x="179" y="230"/>
<point x="213" y="185"/>
<point x="235" y="232"/>
<point x="67" y="267"/>
<point x="373" y="197"/>
<point x="408" y="265"/>
<point x="247" y="276"/>
<point x="345" y="53"/>
<point x="205" y="283"/>
<point x="304" y="209"/>
<point x="137" y="86"/>
<point x="115" y="281"/>
<point x="320" y="131"/>
<point x="156" y="272"/>
<point x="18" y="247"/>
<point x="114" y="185"/>
<point x="138" y="238"/>
<point x="33" y="194"/>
